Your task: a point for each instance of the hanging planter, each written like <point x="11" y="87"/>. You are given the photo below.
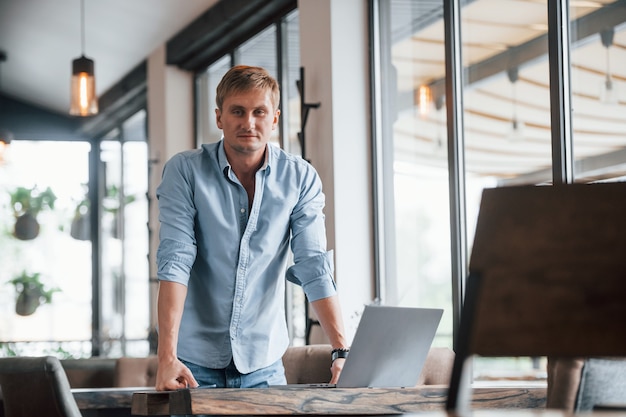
<point x="80" y="227"/>
<point x="112" y="204"/>
<point x="27" y="203"/>
<point x="31" y="293"/>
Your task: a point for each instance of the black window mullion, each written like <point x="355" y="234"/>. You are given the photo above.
<point x="456" y="156"/>
<point x="560" y="91"/>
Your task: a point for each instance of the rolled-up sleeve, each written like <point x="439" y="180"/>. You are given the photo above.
<point x="177" y="243"/>
<point x="315" y="275"/>
<point x="313" y="265"/>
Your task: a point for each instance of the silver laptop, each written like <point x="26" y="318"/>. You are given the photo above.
<point x="389" y="348"/>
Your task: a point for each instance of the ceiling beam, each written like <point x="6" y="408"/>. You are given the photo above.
<point x="30" y="122"/>
<point x="583" y="29"/>
<point x="225" y="25"/>
<point x="597" y="167"/>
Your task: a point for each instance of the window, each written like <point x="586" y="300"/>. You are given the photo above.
<point x="598" y="91"/>
<point x="414" y="191"/>
<point x="206" y="83"/>
<point x="56" y="254"/>
<point x="124" y="292"/>
<point x="97" y="301"/>
<point x="507" y="136"/>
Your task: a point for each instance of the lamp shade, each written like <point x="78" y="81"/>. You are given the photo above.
<point x="83" y="100"/>
<point x="6" y="136"/>
<point x="5" y="139"/>
<point x="424" y="100"/>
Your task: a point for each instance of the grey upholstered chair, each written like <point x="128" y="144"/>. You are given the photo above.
<point x="35" y="387"/>
<point x="582" y="384"/>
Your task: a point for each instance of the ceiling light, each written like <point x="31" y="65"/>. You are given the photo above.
<point x="608" y="89"/>
<point x="517" y="126"/>
<point x="83" y="100"/>
<point x="424" y="100"/>
<point x="5" y="139"/>
<point x="440" y="140"/>
<point x="6" y="136"/>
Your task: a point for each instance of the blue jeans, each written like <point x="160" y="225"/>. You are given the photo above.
<point x="230" y="377"/>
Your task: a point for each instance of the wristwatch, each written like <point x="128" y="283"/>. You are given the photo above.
<point x="339" y="353"/>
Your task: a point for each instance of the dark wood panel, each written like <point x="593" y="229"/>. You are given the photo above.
<point x="549" y="270"/>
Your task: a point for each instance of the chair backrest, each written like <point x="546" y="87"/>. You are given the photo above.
<point x="36" y="387"/>
<point x="547" y="277"/>
<point x="136" y="372"/>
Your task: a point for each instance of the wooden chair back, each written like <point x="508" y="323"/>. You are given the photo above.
<point x="547" y="277"/>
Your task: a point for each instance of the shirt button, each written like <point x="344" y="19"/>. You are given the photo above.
<point x="243" y="210"/>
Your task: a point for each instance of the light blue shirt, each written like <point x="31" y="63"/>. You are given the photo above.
<point x="234" y="261"/>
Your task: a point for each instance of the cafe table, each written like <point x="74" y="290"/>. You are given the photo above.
<point x="323" y="401"/>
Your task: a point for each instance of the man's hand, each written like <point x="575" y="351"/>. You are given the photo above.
<point x="336" y="369"/>
<point x="173" y="375"/>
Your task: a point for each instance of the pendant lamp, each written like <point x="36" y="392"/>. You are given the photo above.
<point x="608" y="89"/>
<point x="6" y="136"/>
<point x="5" y="140"/>
<point x="424" y="100"/>
<point x="83" y="100"/>
<point x="517" y="127"/>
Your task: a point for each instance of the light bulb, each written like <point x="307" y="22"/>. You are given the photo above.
<point x="3" y="149"/>
<point x="517" y="130"/>
<point x="608" y="91"/>
<point x="424" y="101"/>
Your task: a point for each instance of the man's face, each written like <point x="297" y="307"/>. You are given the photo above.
<point x="247" y="120"/>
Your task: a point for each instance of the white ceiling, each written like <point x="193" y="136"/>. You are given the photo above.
<point x="42" y="37"/>
<point x="495" y="33"/>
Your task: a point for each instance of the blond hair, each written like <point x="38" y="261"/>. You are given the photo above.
<point x="243" y="78"/>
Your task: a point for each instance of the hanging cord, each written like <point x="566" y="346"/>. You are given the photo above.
<point x="82" y="26"/>
<point x="513" y="74"/>
<point x="606" y="36"/>
<point x="3" y="57"/>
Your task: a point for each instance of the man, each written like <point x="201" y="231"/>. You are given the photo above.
<point x="229" y="213"/>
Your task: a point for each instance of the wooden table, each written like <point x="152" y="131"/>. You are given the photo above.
<point x="324" y="401"/>
<point x="520" y="413"/>
<point x="110" y="402"/>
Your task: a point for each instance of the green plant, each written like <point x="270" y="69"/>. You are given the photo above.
<point x="111" y="201"/>
<point x="6" y="350"/>
<point x="32" y="292"/>
<point x="32" y="201"/>
<point x="27" y="203"/>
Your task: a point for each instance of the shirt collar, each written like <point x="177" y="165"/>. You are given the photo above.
<point x="225" y="165"/>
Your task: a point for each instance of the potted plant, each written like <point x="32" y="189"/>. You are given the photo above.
<point x="31" y="293"/>
<point x="111" y="204"/>
<point x="80" y="227"/>
<point x="27" y="203"/>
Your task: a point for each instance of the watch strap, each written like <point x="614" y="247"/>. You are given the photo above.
<point x="339" y="353"/>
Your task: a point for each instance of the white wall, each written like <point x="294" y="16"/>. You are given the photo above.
<point x="333" y="50"/>
<point x="170" y="130"/>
